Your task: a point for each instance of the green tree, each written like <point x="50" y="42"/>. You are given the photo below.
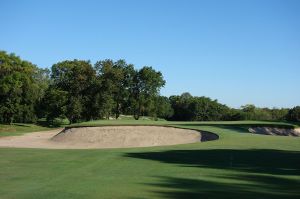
<point x="163" y="108"/>
<point x="75" y="78"/>
<point x="146" y="86"/>
<point x="294" y="114"/>
<point x="279" y="114"/>
<point x="42" y="78"/>
<point x="189" y="108"/>
<point x="109" y="77"/>
<point x="248" y="110"/>
<point x="116" y="79"/>
<point x="54" y="104"/>
<point x="182" y="107"/>
<point x="19" y="89"/>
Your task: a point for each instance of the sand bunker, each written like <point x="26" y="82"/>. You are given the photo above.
<point x="275" y="131"/>
<point x="107" y="137"/>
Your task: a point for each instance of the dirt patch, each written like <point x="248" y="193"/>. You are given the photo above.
<point x="106" y="137"/>
<point x="275" y="131"/>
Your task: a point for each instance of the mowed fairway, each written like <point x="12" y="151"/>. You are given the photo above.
<point x="238" y="165"/>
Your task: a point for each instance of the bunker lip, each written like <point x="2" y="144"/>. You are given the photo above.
<point x="124" y="136"/>
<point x="275" y="131"/>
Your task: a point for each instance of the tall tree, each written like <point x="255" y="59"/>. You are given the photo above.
<point x="19" y="89"/>
<point x="146" y="86"/>
<point x="108" y="76"/>
<point x="54" y="104"/>
<point x="74" y="77"/>
<point x="116" y="79"/>
<point x="189" y="108"/>
<point x="163" y="108"/>
<point x="124" y="78"/>
<point x="42" y="78"/>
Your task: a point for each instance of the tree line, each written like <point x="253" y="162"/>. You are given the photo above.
<point x="189" y="108"/>
<point x="80" y="91"/>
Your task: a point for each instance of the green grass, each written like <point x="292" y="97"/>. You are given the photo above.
<point x="238" y="165"/>
<point x="130" y="117"/>
<point x="20" y="129"/>
<point x="164" y="122"/>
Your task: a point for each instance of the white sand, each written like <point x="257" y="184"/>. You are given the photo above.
<point x="103" y="137"/>
<point x="275" y="131"/>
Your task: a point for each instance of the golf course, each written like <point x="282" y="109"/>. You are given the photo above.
<point x="150" y="99"/>
<point x="238" y="164"/>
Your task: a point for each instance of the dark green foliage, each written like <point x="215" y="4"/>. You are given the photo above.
<point x="54" y="104"/>
<point x="108" y="88"/>
<point x="181" y="107"/>
<point x="98" y="92"/>
<point x="78" y="91"/>
<point x="189" y="108"/>
<point x="75" y="78"/>
<point x="205" y="109"/>
<point x="43" y="80"/>
<point x="250" y="112"/>
<point x="279" y="114"/>
<point x="146" y="85"/>
<point x="163" y="108"/>
<point x="20" y="89"/>
<point x="294" y="114"/>
<point x="116" y="79"/>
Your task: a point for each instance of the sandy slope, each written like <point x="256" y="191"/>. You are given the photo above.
<point x="275" y="131"/>
<point x="103" y="137"/>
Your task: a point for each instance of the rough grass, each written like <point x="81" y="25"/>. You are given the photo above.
<point x="238" y="165"/>
<point x="20" y="129"/>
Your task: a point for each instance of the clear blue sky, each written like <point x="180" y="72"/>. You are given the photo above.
<point x="239" y="52"/>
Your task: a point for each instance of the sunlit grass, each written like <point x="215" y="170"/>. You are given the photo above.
<point x="238" y="165"/>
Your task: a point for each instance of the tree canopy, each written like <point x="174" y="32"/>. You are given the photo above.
<point x="21" y="86"/>
<point x="80" y="91"/>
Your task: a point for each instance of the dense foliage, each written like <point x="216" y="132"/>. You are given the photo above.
<point x="21" y="88"/>
<point x="294" y="114"/>
<point x="109" y="88"/>
<point x="79" y="91"/>
<point x="189" y="108"/>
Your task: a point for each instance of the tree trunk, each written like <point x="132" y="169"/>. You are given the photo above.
<point x="117" y="111"/>
<point x="136" y="116"/>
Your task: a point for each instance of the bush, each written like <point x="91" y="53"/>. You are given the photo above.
<point x="60" y="121"/>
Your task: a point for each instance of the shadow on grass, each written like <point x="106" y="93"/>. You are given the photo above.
<point x="252" y="187"/>
<point x="261" y="173"/>
<point x="259" y="161"/>
<point x="44" y="123"/>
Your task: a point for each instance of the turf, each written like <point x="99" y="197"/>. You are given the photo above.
<point x="238" y="165"/>
<point x="20" y="129"/>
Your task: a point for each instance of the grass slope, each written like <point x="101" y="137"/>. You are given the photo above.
<point x="20" y="129"/>
<point x="239" y="165"/>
